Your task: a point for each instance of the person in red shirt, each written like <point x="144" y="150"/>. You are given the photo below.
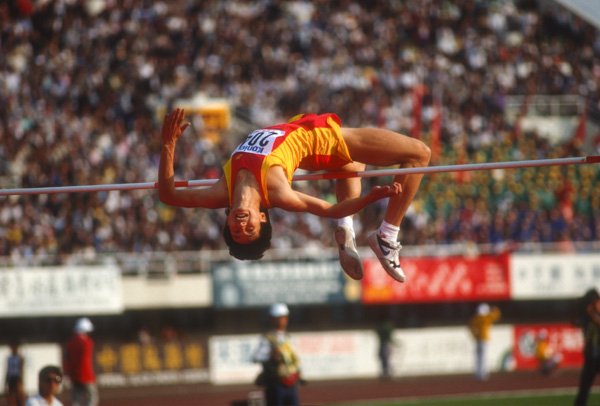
<point x="78" y="364"/>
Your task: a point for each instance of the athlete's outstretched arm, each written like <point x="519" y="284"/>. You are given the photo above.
<point x="300" y="202"/>
<point x="213" y="197"/>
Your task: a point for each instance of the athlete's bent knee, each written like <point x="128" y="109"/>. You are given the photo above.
<point x="426" y="154"/>
<point x="422" y="154"/>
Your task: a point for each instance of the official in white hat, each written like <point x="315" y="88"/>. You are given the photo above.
<point x="281" y="365"/>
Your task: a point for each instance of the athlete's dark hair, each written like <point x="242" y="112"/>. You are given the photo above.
<point x="254" y="250"/>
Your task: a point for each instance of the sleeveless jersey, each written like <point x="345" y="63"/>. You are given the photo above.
<point x="311" y="142"/>
<point x="14" y="364"/>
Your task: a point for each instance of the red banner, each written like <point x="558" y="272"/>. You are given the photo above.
<point x="563" y="339"/>
<point x="448" y="279"/>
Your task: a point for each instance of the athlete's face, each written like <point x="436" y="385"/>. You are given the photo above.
<point x="245" y="224"/>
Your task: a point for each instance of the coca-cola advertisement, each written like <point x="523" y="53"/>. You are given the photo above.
<point x="459" y="278"/>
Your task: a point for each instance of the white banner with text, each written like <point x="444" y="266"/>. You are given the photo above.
<point x="58" y="291"/>
<point x="553" y="276"/>
<point x="354" y="354"/>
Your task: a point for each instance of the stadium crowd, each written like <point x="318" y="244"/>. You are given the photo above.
<point x="81" y="83"/>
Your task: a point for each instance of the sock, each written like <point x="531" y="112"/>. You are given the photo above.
<point x="388" y="231"/>
<point x="348" y="222"/>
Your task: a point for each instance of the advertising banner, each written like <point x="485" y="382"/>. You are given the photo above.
<point x="338" y="354"/>
<point x="563" y="339"/>
<point x="430" y="279"/>
<point x="553" y="276"/>
<point x="446" y="350"/>
<point x="264" y="283"/>
<point x="231" y="358"/>
<point x="354" y="354"/>
<point x="59" y="291"/>
<point x="160" y="363"/>
<point x="326" y="355"/>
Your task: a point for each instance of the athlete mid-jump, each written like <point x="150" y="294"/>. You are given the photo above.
<point x="258" y="176"/>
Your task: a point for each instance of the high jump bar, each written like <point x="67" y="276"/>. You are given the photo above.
<point x="314" y="176"/>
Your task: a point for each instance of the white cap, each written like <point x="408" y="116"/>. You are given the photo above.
<point x="483" y="308"/>
<point x="279" y="310"/>
<point x="83" y="325"/>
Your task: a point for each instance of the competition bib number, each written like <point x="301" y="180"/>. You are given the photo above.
<point x="260" y="142"/>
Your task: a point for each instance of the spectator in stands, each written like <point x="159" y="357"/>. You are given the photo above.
<point x="49" y="379"/>
<point x="79" y="364"/>
<point x="480" y="326"/>
<point x="75" y="114"/>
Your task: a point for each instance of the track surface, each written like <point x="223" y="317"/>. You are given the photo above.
<point x="331" y="392"/>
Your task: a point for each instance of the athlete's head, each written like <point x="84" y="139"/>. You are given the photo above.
<point x="247" y="233"/>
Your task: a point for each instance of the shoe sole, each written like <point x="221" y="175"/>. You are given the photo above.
<point x="374" y="247"/>
<point x="351" y="264"/>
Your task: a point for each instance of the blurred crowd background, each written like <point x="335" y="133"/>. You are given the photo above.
<point x="81" y="83"/>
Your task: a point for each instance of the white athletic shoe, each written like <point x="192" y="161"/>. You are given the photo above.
<point x="349" y="258"/>
<point x="387" y="252"/>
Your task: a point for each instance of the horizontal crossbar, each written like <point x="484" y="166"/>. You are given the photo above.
<point x="313" y="176"/>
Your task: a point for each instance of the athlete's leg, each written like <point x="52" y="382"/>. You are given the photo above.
<point x="379" y="147"/>
<point x="386" y="148"/>
<point x="348" y="188"/>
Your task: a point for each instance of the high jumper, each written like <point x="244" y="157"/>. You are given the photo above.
<point x="259" y="173"/>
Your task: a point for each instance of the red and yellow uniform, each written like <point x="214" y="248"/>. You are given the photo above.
<point x="311" y="142"/>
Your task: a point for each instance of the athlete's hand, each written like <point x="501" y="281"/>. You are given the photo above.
<point x="172" y="128"/>
<point x="381" y="192"/>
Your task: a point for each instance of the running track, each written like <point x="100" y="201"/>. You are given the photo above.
<point x="329" y="392"/>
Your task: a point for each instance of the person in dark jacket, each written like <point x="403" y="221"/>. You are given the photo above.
<point x="591" y="349"/>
